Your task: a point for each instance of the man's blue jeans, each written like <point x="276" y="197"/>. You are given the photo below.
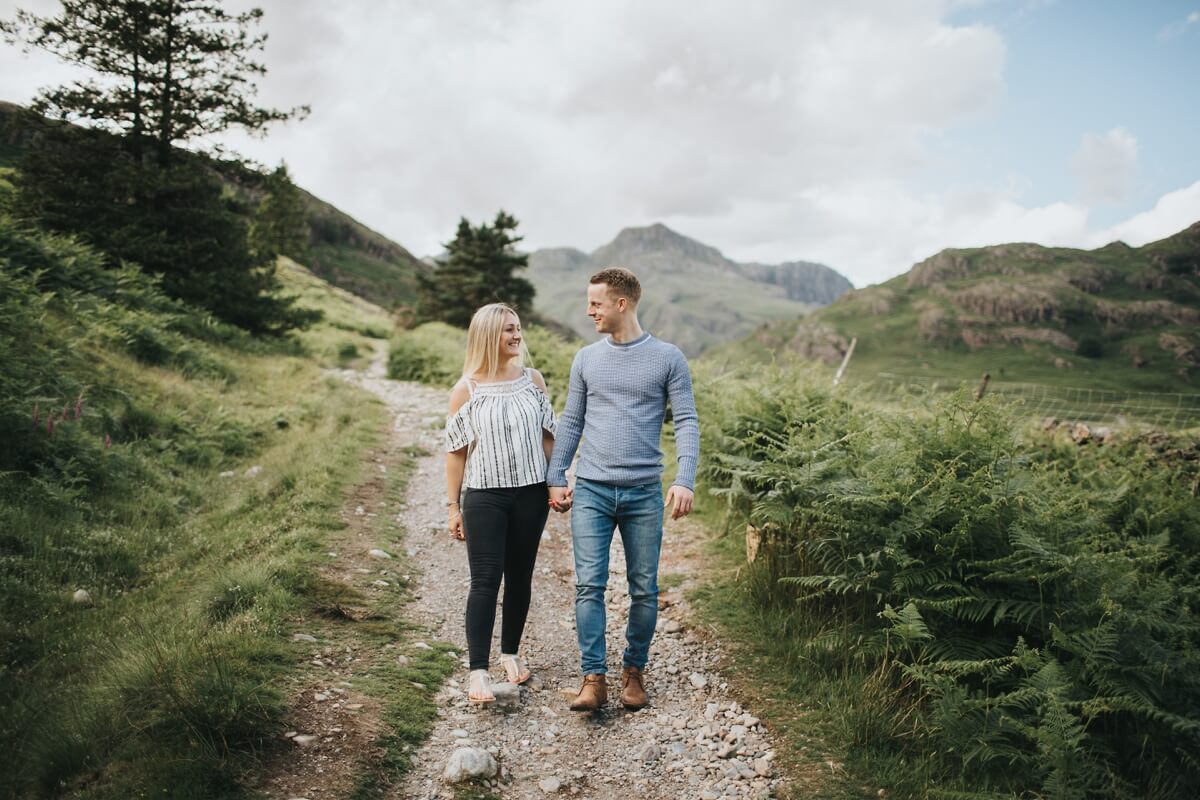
<point x="637" y="511"/>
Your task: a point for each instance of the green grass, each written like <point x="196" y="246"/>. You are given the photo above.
<point x="895" y="334"/>
<point x="351" y="328"/>
<point x="949" y="603"/>
<point x="175" y="680"/>
<point x="817" y="715"/>
<point x="381" y="280"/>
<point x="195" y="580"/>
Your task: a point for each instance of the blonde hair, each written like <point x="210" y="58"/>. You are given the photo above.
<point x="483" y="340"/>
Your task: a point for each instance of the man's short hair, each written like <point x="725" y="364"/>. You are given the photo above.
<point x="621" y="283"/>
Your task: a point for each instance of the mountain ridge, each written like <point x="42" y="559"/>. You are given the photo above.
<point x="695" y="296"/>
<point x="1116" y="317"/>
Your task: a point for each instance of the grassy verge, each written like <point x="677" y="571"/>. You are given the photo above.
<point x="825" y="721"/>
<point x="945" y="604"/>
<point x="350" y="329"/>
<point x="168" y="489"/>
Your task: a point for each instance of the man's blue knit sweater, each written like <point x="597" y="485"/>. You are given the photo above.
<point x="617" y="401"/>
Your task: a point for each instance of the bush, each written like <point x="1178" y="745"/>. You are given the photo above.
<point x="431" y="353"/>
<point x="551" y="355"/>
<point x="1090" y="348"/>
<point x="1033" y="623"/>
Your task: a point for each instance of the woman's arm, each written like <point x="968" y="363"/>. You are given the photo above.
<point x="456" y="465"/>
<point x="547" y="436"/>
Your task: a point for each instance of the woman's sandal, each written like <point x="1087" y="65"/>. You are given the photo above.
<point x="479" y="687"/>
<point x="514" y="668"/>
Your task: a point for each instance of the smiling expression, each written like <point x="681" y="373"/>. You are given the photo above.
<point x="605" y="310"/>
<point x="510" y="337"/>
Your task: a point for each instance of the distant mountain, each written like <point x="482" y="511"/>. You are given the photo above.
<point x="694" y="295"/>
<point x="1117" y="317"/>
<point x="344" y="252"/>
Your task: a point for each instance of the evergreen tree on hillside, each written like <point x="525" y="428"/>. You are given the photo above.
<point x="166" y="72"/>
<point x="478" y="270"/>
<point x="280" y="224"/>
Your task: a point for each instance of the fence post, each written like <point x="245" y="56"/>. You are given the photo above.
<point x="982" y="387"/>
<point x="846" y="360"/>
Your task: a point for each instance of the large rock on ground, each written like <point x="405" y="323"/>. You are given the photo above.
<point x="468" y="763"/>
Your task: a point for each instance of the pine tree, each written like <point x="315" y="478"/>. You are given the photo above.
<point x="479" y="270"/>
<point x="168" y="72"/>
<point x="280" y="225"/>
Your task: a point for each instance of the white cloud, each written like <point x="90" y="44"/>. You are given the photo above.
<point x="1179" y="26"/>
<point x="1105" y="166"/>
<point x="1172" y="213"/>
<point x="582" y="119"/>
<point x="791" y="129"/>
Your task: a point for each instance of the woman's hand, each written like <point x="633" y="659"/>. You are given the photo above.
<point x="455" y="524"/>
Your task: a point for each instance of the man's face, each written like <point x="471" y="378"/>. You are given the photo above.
<point x="605" y="310"/>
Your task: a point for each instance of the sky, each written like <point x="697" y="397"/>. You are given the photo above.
<point x="866" y="135"/>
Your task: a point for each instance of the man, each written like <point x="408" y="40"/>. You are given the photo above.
<point x="619" y="391"/>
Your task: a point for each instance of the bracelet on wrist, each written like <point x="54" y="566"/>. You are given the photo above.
<point x="452" y="503"/>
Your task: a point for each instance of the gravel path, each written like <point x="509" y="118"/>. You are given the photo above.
<point x="693" y="740"/>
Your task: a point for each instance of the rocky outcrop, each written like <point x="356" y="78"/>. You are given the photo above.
<point x="805" y="281"/>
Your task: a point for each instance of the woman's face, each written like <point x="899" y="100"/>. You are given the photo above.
<point x="510" y="337"/>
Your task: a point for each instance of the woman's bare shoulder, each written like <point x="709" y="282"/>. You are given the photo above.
<point x="459" y="395"/>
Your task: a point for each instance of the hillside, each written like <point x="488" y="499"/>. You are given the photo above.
<point x="343" y="251"/>
<point x="695" y="296"/>
<point x="1117" y="317"/>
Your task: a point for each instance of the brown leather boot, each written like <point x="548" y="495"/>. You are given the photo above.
<point x="592" y="695"/>
<point x="633" y="693"/>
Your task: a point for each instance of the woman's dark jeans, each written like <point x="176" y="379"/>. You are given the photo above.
<point x="503" y="529"/>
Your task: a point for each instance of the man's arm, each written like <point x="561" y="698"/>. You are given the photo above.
<point x="687" y="437"/>
<point x="570" y="426"/>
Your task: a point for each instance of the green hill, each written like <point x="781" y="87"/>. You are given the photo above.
<point x="1118" y="317"/>
<point x="343" y="251"/>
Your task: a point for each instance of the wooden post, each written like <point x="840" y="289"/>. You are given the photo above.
<point x="846" y="360"/>
<point x="982" y="387"/>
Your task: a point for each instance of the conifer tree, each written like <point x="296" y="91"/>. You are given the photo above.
<point x="164" y="73"/>
<point x="280" y="226"/>
<point x="478" y="270"/>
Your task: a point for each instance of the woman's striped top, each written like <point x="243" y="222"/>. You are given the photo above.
<point x="504" y="421"/>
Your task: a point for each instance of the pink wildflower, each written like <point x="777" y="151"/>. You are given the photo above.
<point x="79" y="407"/>
<point x="107" y="442"/>
<point x="50" y="425"/>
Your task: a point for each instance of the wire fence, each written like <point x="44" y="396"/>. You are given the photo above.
<point x="1168" y="410"/>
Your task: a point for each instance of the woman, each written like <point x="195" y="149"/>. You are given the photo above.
<point x="499" y="436"/>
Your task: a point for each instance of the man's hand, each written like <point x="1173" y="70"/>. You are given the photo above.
<point x="560" y="498"/>
<point x="680" y="501"/>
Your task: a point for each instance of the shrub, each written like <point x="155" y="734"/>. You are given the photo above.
<point x="431" y="353"/>
<point x="1089" y="347"/>
<point x="1033" y="621"/>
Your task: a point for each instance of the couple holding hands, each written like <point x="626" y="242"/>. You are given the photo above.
<point x="506" y="466"/>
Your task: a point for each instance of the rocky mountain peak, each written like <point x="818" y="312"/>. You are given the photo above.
<point x="655" y="240"/>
